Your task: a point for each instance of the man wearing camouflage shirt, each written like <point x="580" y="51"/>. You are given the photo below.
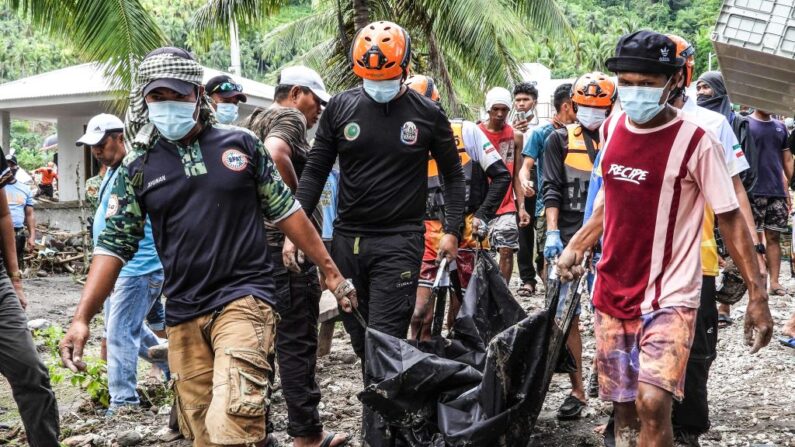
<point x="298" y="96"/>
<point x="206" y="188"/>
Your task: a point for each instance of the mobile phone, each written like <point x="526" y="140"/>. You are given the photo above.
<point x="520" y="116"/>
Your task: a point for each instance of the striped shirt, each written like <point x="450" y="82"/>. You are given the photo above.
<point x="656" y="182"/>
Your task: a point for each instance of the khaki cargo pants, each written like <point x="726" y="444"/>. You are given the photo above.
<point x="221" y="373"/>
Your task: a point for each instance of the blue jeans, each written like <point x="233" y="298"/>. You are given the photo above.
<point x="128" y="336"/>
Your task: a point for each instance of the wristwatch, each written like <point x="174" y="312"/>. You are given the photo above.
<point x="15" y="275"/>
<point x="760" y="248"/>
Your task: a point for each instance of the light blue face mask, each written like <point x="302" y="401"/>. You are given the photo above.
<point x="173" y="119"/>
<point x="382" y="91"/>
<point x="226" y="113"/>
<point x="642" y="104"/>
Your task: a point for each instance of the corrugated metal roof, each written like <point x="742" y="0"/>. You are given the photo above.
<point x="88" y="79"/>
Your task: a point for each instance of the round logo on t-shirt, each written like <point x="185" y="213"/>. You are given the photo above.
<point x="113" y="206"/>
<point x="409" y="133"/>
<point x="351" y="131"/>
<point x="234" y="160"/>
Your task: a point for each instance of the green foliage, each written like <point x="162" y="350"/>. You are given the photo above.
<point x="598" y="24"/>
<point x="26" y="140"/>
<point x="94" y="380"/>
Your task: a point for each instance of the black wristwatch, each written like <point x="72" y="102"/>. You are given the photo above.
<point x="760" y="248"/>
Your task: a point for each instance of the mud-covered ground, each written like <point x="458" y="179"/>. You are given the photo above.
<point x="752" y="398"/>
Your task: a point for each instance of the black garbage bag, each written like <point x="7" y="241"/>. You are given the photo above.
<point x="497" y="412"/>
<point x="454" y="392"/>
<point x="489" y="301"/>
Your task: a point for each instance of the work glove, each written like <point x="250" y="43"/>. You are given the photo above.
<point x="554" y="246"/>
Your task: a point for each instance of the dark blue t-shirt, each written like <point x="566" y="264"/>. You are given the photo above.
<point x="770" y="140"/>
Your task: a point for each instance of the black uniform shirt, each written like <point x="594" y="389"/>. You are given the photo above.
<point x="383" y="153"/>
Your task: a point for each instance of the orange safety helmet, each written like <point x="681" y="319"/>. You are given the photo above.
<point x="425" y="86"/>
<point x="380" y="51"/>
<point x="688" y="53"/>
<point x="594" y="89"/>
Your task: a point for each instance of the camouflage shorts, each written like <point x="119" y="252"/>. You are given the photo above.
<point x="504" y="232"/>
<point x="770" y="213"/>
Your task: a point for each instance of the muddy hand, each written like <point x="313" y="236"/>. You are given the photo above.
<point x="569" y="265"/>
<point x="71" y="346"/>
<point x="292" y="257"/>
<point x="345" y="293"/>
<point x="758" y="326"/>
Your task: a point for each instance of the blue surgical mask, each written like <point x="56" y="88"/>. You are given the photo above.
<point x="173" y="119"/>
<point x="226" y="113"/>
<point x="590" y="117"/>
<point x="382" y="91"/>
<point x="642" y="104"/>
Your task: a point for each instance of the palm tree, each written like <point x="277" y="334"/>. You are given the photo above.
<point x="464" y="44"/>
<point x="113" y="32"/>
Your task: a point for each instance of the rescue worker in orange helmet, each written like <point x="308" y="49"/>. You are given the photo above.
<point x="569" y="154"/>
<point x="383" y="133"/>
<point x="487" y="181"/>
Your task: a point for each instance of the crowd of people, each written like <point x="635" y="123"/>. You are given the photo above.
<point x="241" y="227"/>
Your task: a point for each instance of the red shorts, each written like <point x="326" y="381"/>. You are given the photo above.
<point x="465" y="263"/>
<point x="653" y="349"/>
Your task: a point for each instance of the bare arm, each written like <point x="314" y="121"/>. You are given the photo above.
<point x="748" y="217"/>
<point x="101" y="278"/>
<point x="10" y="249"/>
<point x="517" y="162"/>
<point x="582" y="241"/>
<point x="280" y="152"/>
<point x="30" y="223"/>
<point x="738" y="240"/>
<point x="786" y="158"/>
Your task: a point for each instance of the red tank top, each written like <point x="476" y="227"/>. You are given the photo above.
<point x="505" y="145"/>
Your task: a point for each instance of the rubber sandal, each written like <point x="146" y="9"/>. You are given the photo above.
<point x="778" y="291"/>
<point x="724" y="321"/>
<point x="527" y="290"/>
<point x="330" y="438"/>
<point x="571" y="408"/>
<point x="787" y="341"/>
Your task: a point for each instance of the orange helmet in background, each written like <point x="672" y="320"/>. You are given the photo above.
<point x="425" y="86"/>
<point x="380" y="51"/>
<point x="688" y="53"/>
<point x="594" y="89"/>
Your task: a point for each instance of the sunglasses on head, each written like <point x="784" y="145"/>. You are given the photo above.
<point x="227" y="87"/>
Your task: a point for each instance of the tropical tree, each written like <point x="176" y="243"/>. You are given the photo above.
<point x="113" y="32"/>
<point x="464" y="44"/>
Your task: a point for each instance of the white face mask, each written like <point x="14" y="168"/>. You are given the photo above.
<point x="591" y="118"/>
<point x="226" y="113"/>
<point x="382" y="91"/>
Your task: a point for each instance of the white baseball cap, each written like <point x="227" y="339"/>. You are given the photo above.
<point x="98" y="127"/>
<point x="305" y="77"/>
<point x="498" y="95"/>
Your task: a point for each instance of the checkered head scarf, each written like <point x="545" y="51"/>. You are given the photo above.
<point x="166" y="62"/>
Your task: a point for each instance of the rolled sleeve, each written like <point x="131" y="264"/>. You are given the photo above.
<point x="276" y="200"/>
<point x="125" y="220"/>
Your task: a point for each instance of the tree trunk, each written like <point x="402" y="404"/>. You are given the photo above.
<point x="361" y="14"/>
<point x="437" y="63"/>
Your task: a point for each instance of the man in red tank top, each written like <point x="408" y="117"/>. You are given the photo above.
<point x="504" y="229"/>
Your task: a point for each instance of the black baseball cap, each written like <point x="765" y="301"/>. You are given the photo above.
<point x="225" y="86"/>
<point x="12" y="159"/>
<point x="178" y="85"/>
<point x="645" y="52"/>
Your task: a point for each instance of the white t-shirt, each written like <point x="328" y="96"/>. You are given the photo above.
<point x="719" y="126"/>
<point x="478" y="146"/>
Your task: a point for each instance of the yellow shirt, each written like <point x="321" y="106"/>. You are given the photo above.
<point x="709" y="246"/>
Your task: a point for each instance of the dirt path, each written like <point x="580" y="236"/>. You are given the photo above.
<point x="752" y="397"/>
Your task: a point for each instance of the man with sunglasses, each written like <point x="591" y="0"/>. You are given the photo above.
<point x="140" y="281"/>
<point x="299" y="95"/>
<point x="226" y="94"/>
